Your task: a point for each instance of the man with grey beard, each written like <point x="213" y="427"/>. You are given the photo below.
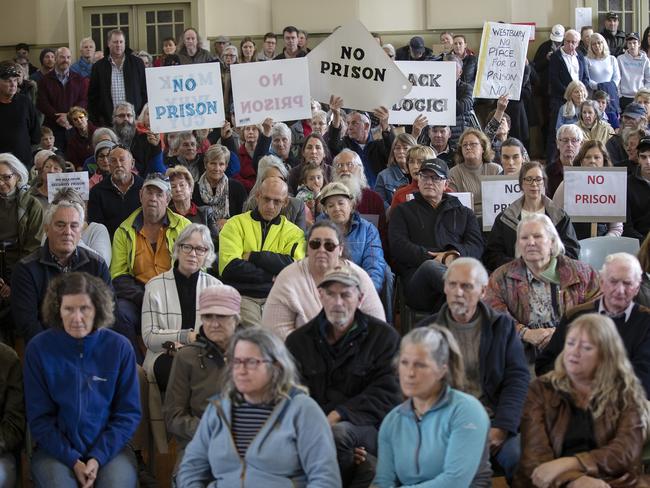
<point x="144" y="146"/>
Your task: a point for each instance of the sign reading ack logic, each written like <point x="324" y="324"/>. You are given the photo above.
<point x="595" y="194"/>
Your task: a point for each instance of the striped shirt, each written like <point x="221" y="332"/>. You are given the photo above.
<point x="247" y="420"/>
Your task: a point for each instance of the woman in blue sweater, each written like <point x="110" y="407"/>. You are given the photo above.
<point x="437" y="437"/>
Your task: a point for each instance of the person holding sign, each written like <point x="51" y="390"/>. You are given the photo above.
<point x="503" y="237"/>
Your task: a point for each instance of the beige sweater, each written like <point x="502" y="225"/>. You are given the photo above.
<point x="464" y="179"/>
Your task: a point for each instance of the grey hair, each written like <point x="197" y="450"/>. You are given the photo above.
<point x="557" y="247"/>
<point x="475" y="265"/>
<point x="442" y="348"/>
<point x="216" y="151"/>
<point x="86" y="39"/>
<point x="52" y="209"/>
<point x="16" y="168"/>
<point x="280" y="129"/>
<point x="184" y="136"/>
<point x="125" y="105"/>
<point x="573" y="129"/>
<point x="205" y="236"/>
<point x="593" y="104"/>
<point x="267" y="162"/>
<point x="355" y="159"/>
<point x="145" y="54"/>
<point x="320" y="114"/>
<point x="284" y="375"/>
<point x="101" y="132"/>
<point x="626" y="259"/>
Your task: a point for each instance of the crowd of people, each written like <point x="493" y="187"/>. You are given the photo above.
<point x="233" y="288"/>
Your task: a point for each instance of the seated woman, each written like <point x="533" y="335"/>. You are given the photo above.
<point x="53" y="164"/>
<point x="584" y="423"/>
<point x="79" y="137"/>
<point x="294" y="299"/>
<point x="426" y="440"/>
<point x="197" y="368"/>
<point x="12" y="415"/>
<point x="541" y="284"/>
<point x="262" y="429"/>
<point x="246" y="174"/>
<point x="575" y="94"/>
<point x="171" y="300"/>
<point x="592" y="154"/>
<point x="314" y="150"/>
<point x="81" y="390"/>
<point x="102" y="167"/>
<point x="396" y="174"/>
<point x="502" y="238"/>
<point x="361" y="237"/>
<point x="592" y="124"/>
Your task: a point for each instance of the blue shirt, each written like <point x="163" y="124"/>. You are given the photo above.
<point x="82" y="67"/>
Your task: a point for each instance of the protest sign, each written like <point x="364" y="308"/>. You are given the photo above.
<point x="502" y="60"/>
<point x="497" y="192"/>
<point x="595" y="194"/>
<point x="466" y="198"/>
<point x="433" y="93"/>
<point x="276" y="89"/>
<point x="58" y="181"/>
<point x="352" y="65"/>
<point x="185" y="97"/>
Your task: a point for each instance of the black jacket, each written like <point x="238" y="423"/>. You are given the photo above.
<point x="100" y="101"/>
<point x="356" y="376"/>
<point x="106" y="205"/>
<point x="637" y="223"/>
<point x="615" y="42"/>
<point x="415" y="228"/>
<point x="559" y="77"/>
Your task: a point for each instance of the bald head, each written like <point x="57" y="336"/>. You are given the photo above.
<point x="62" y="59"/>
<point x="272" y="196"/>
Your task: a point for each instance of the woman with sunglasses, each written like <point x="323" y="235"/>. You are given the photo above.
<point x="294" y="299"/>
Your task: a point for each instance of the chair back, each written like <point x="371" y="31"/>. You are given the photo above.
<point x="594" y="250"/>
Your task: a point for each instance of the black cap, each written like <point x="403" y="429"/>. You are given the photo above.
<point x="417" y="44"/>
<point x="632" y="36"/>
<point x="643" y="145"/>
<point x="438" y="166"/>
<point x="9" y="70"/>
<point x="611" y="15"/>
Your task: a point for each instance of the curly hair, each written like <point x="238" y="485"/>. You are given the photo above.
<point x="488" y="153"/>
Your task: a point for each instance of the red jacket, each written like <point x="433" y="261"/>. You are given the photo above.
<point x="53" y="97"/>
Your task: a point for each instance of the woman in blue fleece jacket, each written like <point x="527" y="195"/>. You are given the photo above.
<point x="81" y="390"/>
<point x="437" y="437"/>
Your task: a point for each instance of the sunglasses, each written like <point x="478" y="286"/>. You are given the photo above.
<point x="317" y="243"/>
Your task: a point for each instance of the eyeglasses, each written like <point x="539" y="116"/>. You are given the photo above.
<point x="567" y="140"/>
<point x="533" y="181"/>
<point x="6" y="178"/>
<point x="317" y="243"/>
<point x="469" y="145"/>
<point x="432" y="178"/>
<point x="188" y="248"/>
<point x="248" y="363"/>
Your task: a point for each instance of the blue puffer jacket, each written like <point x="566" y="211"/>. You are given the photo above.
<point x="82" y="395"/>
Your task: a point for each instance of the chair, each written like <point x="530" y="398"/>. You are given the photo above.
<point x="594" y="250"/>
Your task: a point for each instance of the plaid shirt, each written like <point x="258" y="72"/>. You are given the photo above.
<point x="118" y="92"/>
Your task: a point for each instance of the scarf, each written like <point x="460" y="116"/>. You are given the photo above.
<point x="217" y="198"/>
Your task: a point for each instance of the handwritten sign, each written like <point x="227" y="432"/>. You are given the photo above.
<point x="185" y="97"/>
<point x="466" y="198"/>
<point x="433" y="93"/>
<point x="595" y="194"/>
<point x="353" y="66"/>
<point x="497" y="192"/>
<point x="277" y="89"/>
<point x="502" y="60"/>
<point x="58" y="181"/>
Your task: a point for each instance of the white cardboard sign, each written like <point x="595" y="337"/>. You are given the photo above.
<point x="502" y="60"/>
<point x="466" y="198"/>
<point x="595" y="194"/>
<point x="77" y="180"/>
<point x="433" y="93"/>
<point x="497" y="192"/>
<point x="352" y="65"/>
<point x="185" y="97"/>
<point x="277" y="89"/>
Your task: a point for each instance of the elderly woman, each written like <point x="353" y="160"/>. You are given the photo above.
<point x="262" y="429"/>
<point x="53" y="164"/>
<point x="102" y="149"/>
<point x="184" y="148"/>
<point x="592" y="155"/>
<point x="294" y="299"/>
<point x="396" y="174"/>
<point x="79" y="137"/>
<point x="426" y="439"/>
<point x="592" y="124"/>
<point x="274" y="139"/>
<point x="362" y="237"/>
<point x="585" y="422"/>
<point x="541" y="284"/>
<point x="314" y="151"/>
<point x="603" y="70"/>
<point x="502" y="239"/>
<point x="81" y="390"/>
<point x="197" y="368"/>
<point x="100" y="134"/>
<point x="575" y="94"/>
<point x="473" y="160"/>
<point x="170" y="304"/>
<point x="190" y="50"/>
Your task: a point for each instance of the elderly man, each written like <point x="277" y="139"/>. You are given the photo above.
<point x="615" y="38"/>
<point x="569" y="138"/>
<point x="113" y="199"/>
<point x="58" y="91"/>
<point x="220" y="43"/>
<point x="118" y="77"/>
<point x="373" y="154"/>
<point x="255" y="246"/>
<point x="291" y="47"/>
<point x="345" y="359"/>
<point x="84" y="65"/>
<point x="637" y="223"/>
<point x="635" y="116"/>
<point x="267" y="53"/>
<point x="142" y="249"/>
<point x="439" y="136"/>
<point x="60" y="253"/>
<point x="620" y="280"/>
<point x="428" y="233"/>
<point x="495" y="366"/>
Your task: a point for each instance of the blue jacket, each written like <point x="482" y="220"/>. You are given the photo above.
<point x="504" y="370"/>
<point x="389" y="180"/>
<point x="294" y="448"/>
<point x="82" y="395"/>
<point x="443" y="449"/>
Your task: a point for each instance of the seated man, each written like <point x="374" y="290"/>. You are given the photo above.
<point x="345" y="360"/>
<point x="439" y="136"/>
<point x="113" y="199"/>
<point x="638" y="198"/>
<point x="142" y="249"/>
<point x="620" y="279"/>
<point x="61" y="253"/>
<point x="427" y="233"/>
<point x="495" y="365"/>
<point x="255" y="246"/>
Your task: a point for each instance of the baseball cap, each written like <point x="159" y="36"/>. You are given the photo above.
<point x="9" y="70"/>
<point x="333" y="189"/>
<point x="438" y="166"/>
<point x="635" y="110"/>
<point x="643" y="145"/>
<point x="416" y="44"/>
<point x="611" y="15"/>
<point x="158" y="180"/>
<point x="220" y="300"/>
<point x="341" y="274"/>
<point x="632" y="36"/>
<point x="557" y="33"/>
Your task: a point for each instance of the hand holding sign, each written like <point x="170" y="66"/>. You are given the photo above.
<point x="267" y="125"/>
<point x="336" y="104"/>
<point x="226" y="131"/>
<point x="382" y="114"/>
<point x="419" y="123"/>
